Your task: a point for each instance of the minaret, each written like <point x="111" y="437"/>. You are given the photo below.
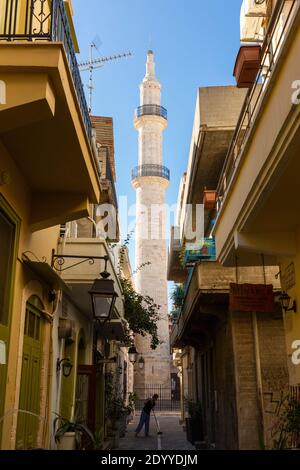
<point x="150" y="180"/>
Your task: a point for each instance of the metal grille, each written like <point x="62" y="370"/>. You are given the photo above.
<point x="168" y="400"/>
<point x="151" y="170"/>
<point x="151" y="110"/>
<point x="32" y="20"/>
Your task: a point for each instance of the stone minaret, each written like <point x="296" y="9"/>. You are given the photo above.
<point x="150" y="180"/>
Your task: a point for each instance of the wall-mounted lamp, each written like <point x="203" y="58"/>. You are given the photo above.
<point x="141" y="363"/>
<point x="132" y="354"/>
<point x="286" y="304"/>
<point x="66" y="366"/>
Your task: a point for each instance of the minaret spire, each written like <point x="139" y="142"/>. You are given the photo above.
<point x="150" y="65"/>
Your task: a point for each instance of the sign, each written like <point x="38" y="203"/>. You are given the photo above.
<point x="2" y="92"/>
<point x="251" y="298"/>
<point x="288" y="277"/>
<point x="2" y="353"/>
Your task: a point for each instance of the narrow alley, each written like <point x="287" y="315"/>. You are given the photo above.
<point x="173" y="436"/>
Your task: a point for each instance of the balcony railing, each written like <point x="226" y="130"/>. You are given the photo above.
<point x="151" y="170"/>
<point x="278" y="26"/>
<point x="44" y="20"/>
<point x="151" y="110"/>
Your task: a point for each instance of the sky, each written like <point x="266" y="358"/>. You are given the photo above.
<point x="195" y="43"/>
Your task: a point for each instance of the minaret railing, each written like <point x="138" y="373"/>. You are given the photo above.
<point x="151" y="110"/>
<point x="151" y="170"/>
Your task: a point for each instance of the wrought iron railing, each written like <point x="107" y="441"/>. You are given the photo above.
<point x="44" y="20"/>
<point x="271" y="47"/>
<point x="151" y="170"/>
<point x="150" y="110"/>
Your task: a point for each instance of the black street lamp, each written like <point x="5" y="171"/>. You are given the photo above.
<point x="132" y="353"/>
<point x="66" y="365"/>
<point x="285" y="300"/>
<point x="103" y="297"/>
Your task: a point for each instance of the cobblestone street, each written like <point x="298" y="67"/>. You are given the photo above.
<point x="173" y="437"/>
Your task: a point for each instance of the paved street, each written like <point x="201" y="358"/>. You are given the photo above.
<point x="173" y="437"/>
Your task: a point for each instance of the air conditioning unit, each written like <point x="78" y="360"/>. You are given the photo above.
<point x="256" y="8"/>
<point x="66" y="330"/>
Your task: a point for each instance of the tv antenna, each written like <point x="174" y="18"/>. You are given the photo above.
<point x="97" y="63"/>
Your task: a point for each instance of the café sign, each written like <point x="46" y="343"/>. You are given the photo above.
<point x="251" y="298"/>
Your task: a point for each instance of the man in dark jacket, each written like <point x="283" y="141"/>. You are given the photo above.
<point x="145" y="415"/>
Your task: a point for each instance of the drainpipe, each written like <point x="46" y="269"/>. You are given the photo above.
<point x="261" y="426"/>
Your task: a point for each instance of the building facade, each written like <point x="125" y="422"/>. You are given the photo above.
<point x="227" y="356"/>
<point x="52" y="174"/>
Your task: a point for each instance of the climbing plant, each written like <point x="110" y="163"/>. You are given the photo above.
<point x="141" y="312"/>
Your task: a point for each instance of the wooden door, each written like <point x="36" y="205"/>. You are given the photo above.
<point x="85" y="404"/>
<point x="29" y="401"/>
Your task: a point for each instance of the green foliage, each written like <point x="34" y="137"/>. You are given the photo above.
<point x="62" y="425"/>
<point x="194" y="409"/>
<point x="115" y="407"/>
<point x="286" y="430"/>
<point x="141" y="312"/>
<point x="177" y="296"/>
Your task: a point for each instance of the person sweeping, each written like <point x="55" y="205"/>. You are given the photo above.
<point x="145" y="415"/>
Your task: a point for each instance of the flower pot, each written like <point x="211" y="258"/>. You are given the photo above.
<point x="247" y="65"/>
<point x="209" y="199"/>
<point x="67" y="441"/>
<point x="194" y="430"/>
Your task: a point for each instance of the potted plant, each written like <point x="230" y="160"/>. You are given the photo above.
<point x="68" y="435"/>
<point x="194" y="423"/>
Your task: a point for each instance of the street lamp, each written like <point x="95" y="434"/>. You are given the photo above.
<point x="141" y="363"/>
<point x="132" y="353"/>
<point x="285" y="300"/>
<point x="66" y="365"/>
<point x="103" y="296"/>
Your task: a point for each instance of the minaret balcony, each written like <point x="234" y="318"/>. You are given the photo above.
<point x="151" y="110"/>
<point x="151" y="170"/>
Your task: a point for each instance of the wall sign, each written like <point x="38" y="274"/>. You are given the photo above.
<point x="251" y="298"/>
<point x="2" y="92"/>
<point x="288" y="277"/>
<point x="2" y="353"/>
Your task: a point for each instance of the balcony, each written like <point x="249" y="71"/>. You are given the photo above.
<point x="44" y="119"/>
<point x="42" y="22"/>
<point x="151" y="110"/>
<point x="206" y="297"/>
<point x="258" y="187"/>
<point x="151" y="170"/>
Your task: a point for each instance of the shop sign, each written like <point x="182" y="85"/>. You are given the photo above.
<point x="251" y="298"/>
<point x="2" y="92"/>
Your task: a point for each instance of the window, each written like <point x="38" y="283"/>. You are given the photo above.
<point x="33" y="318"/>
<point x="7" y="241"/>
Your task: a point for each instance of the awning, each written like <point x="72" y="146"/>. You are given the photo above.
<point x="44" y="271"/>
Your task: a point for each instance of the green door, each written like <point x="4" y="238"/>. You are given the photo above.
<point x="29" y="401"/>
<point x="8" y="254"/>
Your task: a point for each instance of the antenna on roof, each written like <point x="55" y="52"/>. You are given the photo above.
<point x="97" y="63"/>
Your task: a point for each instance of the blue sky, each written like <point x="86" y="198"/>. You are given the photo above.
<point x="195" y="44"/>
